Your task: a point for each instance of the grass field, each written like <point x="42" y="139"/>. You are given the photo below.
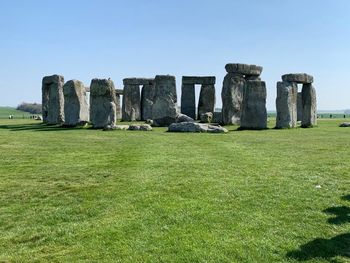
<point x="17" y="114"/>
<point x="82" y="195"/>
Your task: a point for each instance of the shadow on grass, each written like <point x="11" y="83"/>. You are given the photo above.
<point x="38" y="127"/>
<point x="327" y="248"/>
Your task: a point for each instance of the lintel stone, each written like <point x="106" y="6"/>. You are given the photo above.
<point x="138" y="81"/>
<point x="206" y="80"/>
<point x="301" y="78"/>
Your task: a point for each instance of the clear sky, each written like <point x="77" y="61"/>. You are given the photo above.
<point x="85" y="39"/>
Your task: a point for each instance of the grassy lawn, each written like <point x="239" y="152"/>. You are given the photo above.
<point x="17" y="114"/>
<point x="82" y="195"/>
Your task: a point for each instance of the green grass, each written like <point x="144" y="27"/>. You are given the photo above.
<point x="17" y="114"/>
<point x="83" y="195"/>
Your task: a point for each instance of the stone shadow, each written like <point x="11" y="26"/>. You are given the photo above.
<point x="37" y="127"/>
<point x="327" y="248"/>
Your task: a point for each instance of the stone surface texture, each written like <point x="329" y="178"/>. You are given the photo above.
<point x="131" y="108"/>
<point x="206" y="117"/>
<point x="232" y="97"/>
<point x="299" y="107"/>
<point x="164" y="109"/>
<point x="53" y="99"/>
<point x="195" y="127"/>
<point x="76" y="110"/>
<point x="301" y="78"/>
<point x="140" y="127"/>
<point x="309" y="115"/>
<point x="147" y="100"/>
<point x="254" y="114"/>
<point x="206" y="102"/>
<point x="183" y="118"/>
<point x="245" y="69"/>
<point x="208" y="80"/>
<point x="286" y="105"/>
<point x="188" y="100"/>
<point x="102" y="103"/>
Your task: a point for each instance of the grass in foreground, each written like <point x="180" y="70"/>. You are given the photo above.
<point x="127" y="196"/>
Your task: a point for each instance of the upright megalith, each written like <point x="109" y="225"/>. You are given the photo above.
<point x="254" y="114"/>
<point x="188" y="100"/>
<point x="102" y="103"/>
<point x="206" y="101"/>
<point x="286" y="105"/>
<point x="299" y="107"/>
<point x="147" y="100"/>
<point x="233" y="89"/>
<point x="309" y="111"/>
<point x="53" y="99"/>
<point x="164" y="110"/>
<point x="118" y="93"/>
<point x="76" y="110"/>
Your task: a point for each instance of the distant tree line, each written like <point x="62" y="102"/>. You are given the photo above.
<point x="347" y="111"/>
<point x="33" y="108"/>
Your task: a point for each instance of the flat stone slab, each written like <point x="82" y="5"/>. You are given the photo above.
<point x="196" y="127"/>
<point x="138" y="81"/>
<point x="301" y="78"/>
<point x="344" y="124"/>
<point x="245" y="69"/>
<point x="183" y="118"/>
<point x="198" y="80"/>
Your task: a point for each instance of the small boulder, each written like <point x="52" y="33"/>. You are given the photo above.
<point x="183" y="118"/>
<point x="149" y="121"/>
<point x="206" y="117"/>
<point x="121" y="127"/>
<point x="140" y="127"/>
<point x="345" y="124"/>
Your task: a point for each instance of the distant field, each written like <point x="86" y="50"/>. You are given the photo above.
<point x="6" y="111"/>
<point x="83" y="195"/>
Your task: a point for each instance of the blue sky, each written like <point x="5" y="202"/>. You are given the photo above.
<point x="85" y="39"/>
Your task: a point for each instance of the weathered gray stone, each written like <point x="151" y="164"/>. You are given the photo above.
<point x="183" y="118"/>
<point x="147" y="100"/>
<point x="149" y="121"/>
<point x="195" y="127"/>
<point x="119" y="91"/>
<point x="76" y="110"/>
<point x="309" y="116"/>
<point x="286" y="105"/>
<point x="118" y="106"/>
<point x="344" y="124"/>
<point x="251" y="77"/>
<point x="299" y="107"/>
<point x="102" y="103"/>
<point x="254" y="114"/>
<point x="138" y="81"/>
<point x="140" y="127"/>
<point x="302" y="78"/>
<point x="206" y="101"/>
<point x="206" y="117"/>
<point x="232" y="97"/>
<point x="217" y="117"/>
<point x="245" y="69"/>
<point x="207" y="80"/>
<point x="131" y="109"/>
<point x="188" y="100"/>
<point x="121" y="127"/>
<point x="164" y="109"/>
<point x="53" y="99"/>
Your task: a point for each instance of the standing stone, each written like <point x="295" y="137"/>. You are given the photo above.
<point x="147" y="100"/>
<point x="206" y="101"/>
<point x="232" y="97"/>
<point x="53" y="99"/>
<point x="309" y="115"/>
<point x="164" y="110"/>
<point x="131" y="109"/>
<point x="118" y="93"/>
<point x="286" y="105"/>
<point x="76" y="111"/>
<point x="102" y="103"/>
<point x="254" y="114"/>
<point x="299" y="107"/>
<point x="188" y="100"/>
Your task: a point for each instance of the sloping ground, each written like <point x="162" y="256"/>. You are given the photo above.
<point x="17" y="114"/>
<point x="82" y="195"/>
